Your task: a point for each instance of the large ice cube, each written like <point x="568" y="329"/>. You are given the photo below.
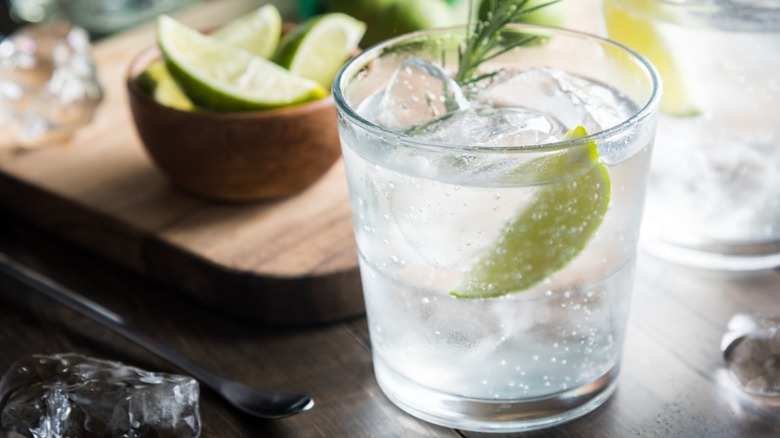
<point x="572" y="100"/>
<point x="68" y="395"/>
<point x="418" y="92"/>
<point x="493" y="127"/>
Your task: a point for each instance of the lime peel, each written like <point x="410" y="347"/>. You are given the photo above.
<point x="547" y="234"/>
<point x="318" y="48"/>
<point x="257" y="32"/>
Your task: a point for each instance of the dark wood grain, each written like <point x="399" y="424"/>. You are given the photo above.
<point x="673" y="382"/>
<point x="331" y="362"/>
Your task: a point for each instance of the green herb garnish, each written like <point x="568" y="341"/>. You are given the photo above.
<point x="483" y="37"/>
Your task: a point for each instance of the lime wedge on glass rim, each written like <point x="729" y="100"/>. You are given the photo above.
<point x="640" y="34"/>
<point x="221" y="77"/>
<point x="318" y="47"/>
<point x="549" y="232"/>
<point x="257" y="32"/>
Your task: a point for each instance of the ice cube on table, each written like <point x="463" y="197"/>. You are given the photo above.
<point x="751" y="349"/>
<point x="48" y="84"/>
<point x="418" y="91"/>
<point x="573" y="100"/>
<point x="74" y="395"/>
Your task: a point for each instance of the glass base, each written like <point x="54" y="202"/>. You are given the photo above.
<point x="721" y="256"/>
<point x="488" y="415"/>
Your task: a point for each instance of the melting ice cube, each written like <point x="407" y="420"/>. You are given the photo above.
<point x="572" y="100"/>
<point x="751" y="349"/>
<point x="493" y="127"/>
<point x="73" y="395"/>
<point x="419" y="91"/>
<point x="48" y="84"/>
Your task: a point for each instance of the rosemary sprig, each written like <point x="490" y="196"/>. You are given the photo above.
<point x="483" y="37"/>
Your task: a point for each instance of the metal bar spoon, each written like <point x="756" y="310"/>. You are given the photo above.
<point x="250" y="401"/>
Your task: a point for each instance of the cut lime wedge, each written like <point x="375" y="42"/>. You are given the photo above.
<point x="547" y="234"/>
<point x="158" y="82"/>
<point x="257" y="32"/>
<point x="640" y="34"/>
<point x="318" y="48"/>
<point x="221" y="77"/>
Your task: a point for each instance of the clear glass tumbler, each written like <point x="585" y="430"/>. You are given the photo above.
<point x="714" y="190"/>
<point x="497" y="253"/>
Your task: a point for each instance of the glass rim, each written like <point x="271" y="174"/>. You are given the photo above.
<point x="751" y="16"/>
<point x="708" y="5"/>
<point x="373" y="52"/>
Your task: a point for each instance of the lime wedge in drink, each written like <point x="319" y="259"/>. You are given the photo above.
<point x="158" y="82"/>
<point x="641" y="35"/>
<point x="548" y="233"/>
<point x="221" y="77"/>
<point x="257" y="32"/>
<point x="319" y="47"/>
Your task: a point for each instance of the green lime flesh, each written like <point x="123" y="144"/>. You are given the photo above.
<point x="547" y="234"/>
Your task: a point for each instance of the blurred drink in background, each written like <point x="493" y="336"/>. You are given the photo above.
<point x="98" y="17"/>
<point x="714" y="191"/>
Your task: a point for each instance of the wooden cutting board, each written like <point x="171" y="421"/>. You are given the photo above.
<point x="290" y="261"/>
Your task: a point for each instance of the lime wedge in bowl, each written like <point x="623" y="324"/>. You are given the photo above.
<point x="639" y="33"/>
<point x="257" y="32"/>
<point x="318" y="48"/>
<point x="158" y="82"/>
<point x="549" y="232"/>
<point x="221" y="77"/>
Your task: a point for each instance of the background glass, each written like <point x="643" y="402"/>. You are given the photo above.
<point x="714" y="190"/>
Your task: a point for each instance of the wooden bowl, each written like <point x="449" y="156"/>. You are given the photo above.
<point x="236" y="156"/>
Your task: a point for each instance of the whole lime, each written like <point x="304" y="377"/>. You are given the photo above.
<point x="551" y="15"/>
<point x="403" y="16"/>
<point x="363" y="10"/>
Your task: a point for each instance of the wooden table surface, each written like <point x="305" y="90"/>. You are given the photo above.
<point x="673" y="382"/>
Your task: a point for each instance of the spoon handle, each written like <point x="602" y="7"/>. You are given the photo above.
<point x="65" y="297"/>
<point x="104" y="317"/>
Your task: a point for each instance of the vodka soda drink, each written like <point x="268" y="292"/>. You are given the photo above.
<point x="497" y="220"/>
<point x="714" y="189"/>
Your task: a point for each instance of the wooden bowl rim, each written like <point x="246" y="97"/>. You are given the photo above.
<point x="153" y="53"/>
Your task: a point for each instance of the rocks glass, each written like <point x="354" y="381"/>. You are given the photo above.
<point x="497" y="222"/>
